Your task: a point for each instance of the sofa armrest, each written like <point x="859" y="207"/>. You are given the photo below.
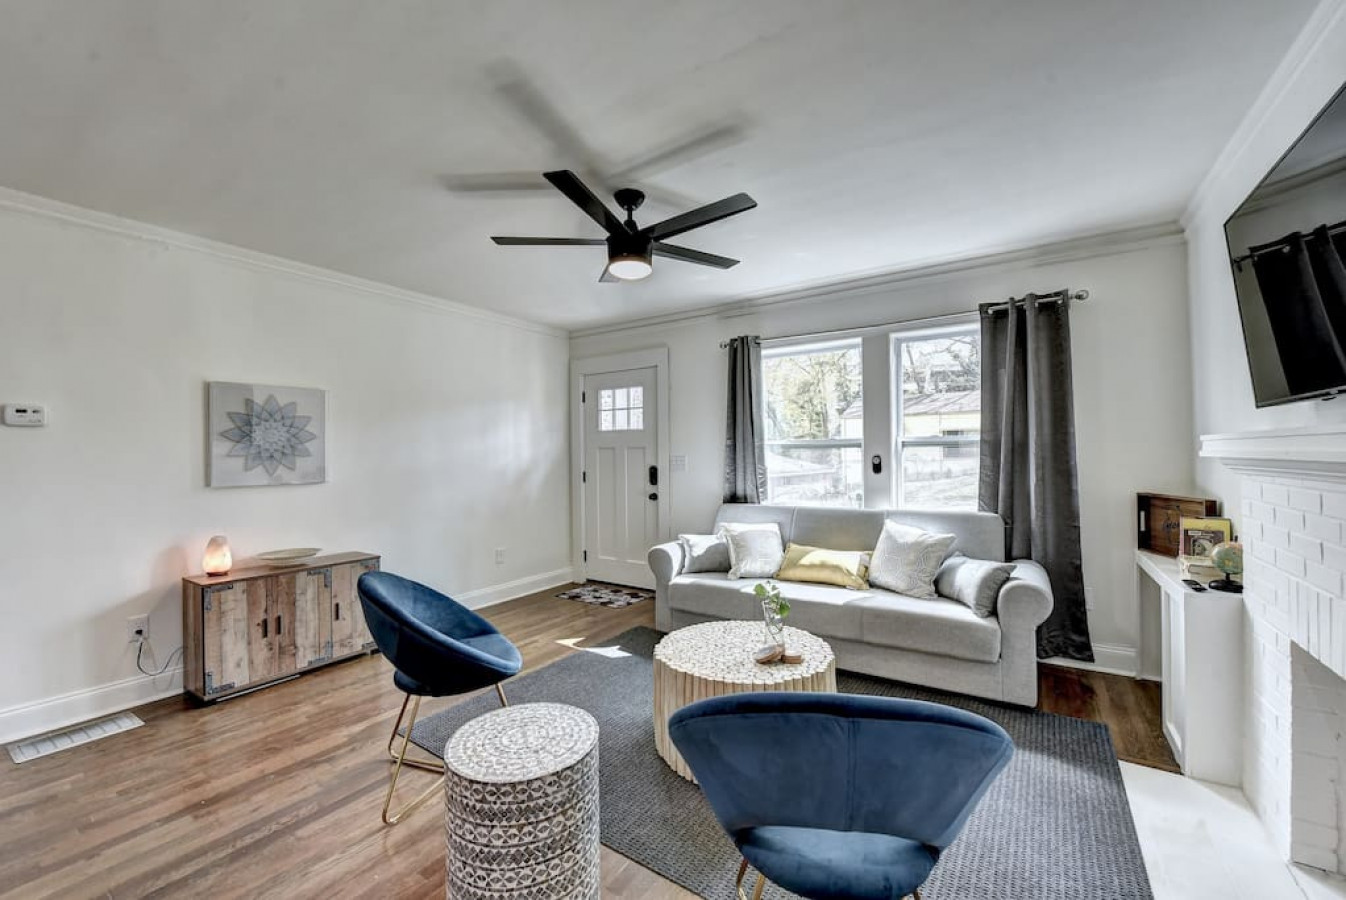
<point x="665" y="561"/>
<point x="1026" y="599"/>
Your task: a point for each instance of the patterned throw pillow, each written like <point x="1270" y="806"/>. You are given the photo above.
<point x="973" y="582"/>
<point x="704" y="553"/>
<point x="755" y="551"/>
<point x="843" y="568"/>
<point x="907" y="559"/>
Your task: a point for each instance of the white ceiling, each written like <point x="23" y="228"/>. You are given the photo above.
<point x="876" y="135"/>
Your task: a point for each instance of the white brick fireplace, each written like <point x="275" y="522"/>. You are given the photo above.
<point x="1293" y="527"/>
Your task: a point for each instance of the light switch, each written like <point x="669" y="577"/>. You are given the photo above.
<point x="677" y="463"/>
<point x="25" y="415"/>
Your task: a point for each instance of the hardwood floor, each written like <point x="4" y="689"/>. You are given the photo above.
<point x="277" y="793"/>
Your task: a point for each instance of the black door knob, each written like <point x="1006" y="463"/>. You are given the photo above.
<point x="654" y="496"/>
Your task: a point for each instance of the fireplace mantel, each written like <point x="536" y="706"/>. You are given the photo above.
<point x="1317" y="451"/>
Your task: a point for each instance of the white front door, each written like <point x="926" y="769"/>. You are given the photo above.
<point x="620" y="478"/>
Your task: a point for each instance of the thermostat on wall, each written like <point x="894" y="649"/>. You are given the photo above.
<point x="29" y="415"/>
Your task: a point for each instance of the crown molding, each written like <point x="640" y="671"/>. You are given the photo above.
<point x="21" y="203"/>
<point x="1327" y="16"/>
<point x="1110" y="243"/>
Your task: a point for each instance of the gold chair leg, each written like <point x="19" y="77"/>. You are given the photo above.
<point x="738" y="882"/>
<point x="429" y="765"/>
<point x="501" y="691"/>
<point x="400" y="760"/>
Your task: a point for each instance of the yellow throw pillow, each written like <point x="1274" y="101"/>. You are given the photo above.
<point x="843" y="568"/>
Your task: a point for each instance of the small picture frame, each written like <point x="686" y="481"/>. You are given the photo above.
<point x="1200" y="536"/>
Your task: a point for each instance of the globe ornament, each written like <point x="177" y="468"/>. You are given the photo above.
<point x="1228" y="558"/>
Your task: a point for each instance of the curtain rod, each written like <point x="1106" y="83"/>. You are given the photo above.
<point x="1060" y="296"/>
<point x="1053" y="297"/>
<point x="1283" y="243"/>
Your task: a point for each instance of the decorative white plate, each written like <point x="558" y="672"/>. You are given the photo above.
<point x="288" y="556"/>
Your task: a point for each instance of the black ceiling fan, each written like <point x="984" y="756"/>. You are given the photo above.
<point x="630" y="248"/>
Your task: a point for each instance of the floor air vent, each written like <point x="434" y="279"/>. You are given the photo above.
<point x="47" y="744"/>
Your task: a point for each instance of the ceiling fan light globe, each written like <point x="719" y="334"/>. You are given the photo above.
<point x="630" y="268"/>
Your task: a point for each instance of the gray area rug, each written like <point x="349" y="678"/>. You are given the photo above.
<point x="1056" y="823"/>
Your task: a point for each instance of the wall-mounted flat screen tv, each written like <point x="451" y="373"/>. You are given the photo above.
<point x="1287" y="243"/>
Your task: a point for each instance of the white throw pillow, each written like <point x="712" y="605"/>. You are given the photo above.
<point x="907" y="559"/>
<point x="755" y="550"/>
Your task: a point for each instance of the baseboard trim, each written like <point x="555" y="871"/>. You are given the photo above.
<point x="1109" y="659"/>
<point x="519" y="587"/>
<point x="64" y="710"/>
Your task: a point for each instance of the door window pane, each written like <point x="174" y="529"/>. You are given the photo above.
<point x="621" y="409"/>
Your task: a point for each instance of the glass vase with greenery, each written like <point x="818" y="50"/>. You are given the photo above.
<point x="774" y="610"/>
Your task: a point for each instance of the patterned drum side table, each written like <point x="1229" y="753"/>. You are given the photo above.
<point x="716" y="658"/>
<point x="521" y="792"/>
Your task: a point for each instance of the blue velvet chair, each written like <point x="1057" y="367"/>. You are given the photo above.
<point x="438" y="648"/>
<point x="839" y="796"/>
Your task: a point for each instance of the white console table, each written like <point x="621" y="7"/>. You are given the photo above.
<point x="1202" y="652"/>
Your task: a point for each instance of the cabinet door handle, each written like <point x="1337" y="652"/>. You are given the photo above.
<point x="278" y="628"/>
<point x="336" y="610"/>
<point x="264" y="628"/>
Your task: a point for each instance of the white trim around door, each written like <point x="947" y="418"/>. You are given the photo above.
<point x="656" y="357"/>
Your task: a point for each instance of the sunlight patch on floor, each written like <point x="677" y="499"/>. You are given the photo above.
<point x="609" y="652"/>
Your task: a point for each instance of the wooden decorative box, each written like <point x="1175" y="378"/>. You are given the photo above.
<point x="1159" y="520"/>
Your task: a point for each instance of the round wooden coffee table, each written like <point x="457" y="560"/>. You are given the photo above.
<point x="716" y="658"/>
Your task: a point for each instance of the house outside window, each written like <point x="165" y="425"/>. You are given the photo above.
<point x="938" y="419"/>
<point x="813" y="451"/>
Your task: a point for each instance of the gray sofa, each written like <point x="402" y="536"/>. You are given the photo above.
<point x="939" y="643"/>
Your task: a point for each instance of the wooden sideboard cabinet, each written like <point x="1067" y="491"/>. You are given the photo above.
<point x="260" y="625"/>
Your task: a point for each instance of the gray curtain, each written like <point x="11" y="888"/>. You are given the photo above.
<point x="1028" y="472"/>
<point x="744" y="450"/>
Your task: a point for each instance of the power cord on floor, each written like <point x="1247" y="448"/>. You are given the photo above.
<point x="140" y="649"/>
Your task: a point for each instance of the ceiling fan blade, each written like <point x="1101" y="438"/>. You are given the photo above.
<point x="494" y="182"/>
<point x="534" y="107"/>
<point x="711" y="212"/>
<point x="675" y="154"/>
<point x="607" y="277"/>
<point x="568" y="183"/>
<point x="686" y="254"/>
<point x="548" y="242"/>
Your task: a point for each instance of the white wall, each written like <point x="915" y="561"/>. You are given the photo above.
<point x="1315" y="68"/>
<point x="447" y="438"/>
<point x="1132" y="389"/>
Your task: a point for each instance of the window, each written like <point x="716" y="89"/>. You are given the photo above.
<point x="621" y="409"/>
<point x="814" y="422"/>
<point x="938" y="419"/>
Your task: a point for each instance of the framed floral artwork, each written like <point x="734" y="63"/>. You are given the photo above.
<point x="262" y="434"/>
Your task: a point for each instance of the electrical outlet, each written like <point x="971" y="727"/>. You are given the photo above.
<point x="137" y="629"/>
<point x="499" y="556"/>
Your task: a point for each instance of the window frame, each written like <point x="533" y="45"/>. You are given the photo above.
<point x="802" y="347"/>
<point x="899" y="443"/>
